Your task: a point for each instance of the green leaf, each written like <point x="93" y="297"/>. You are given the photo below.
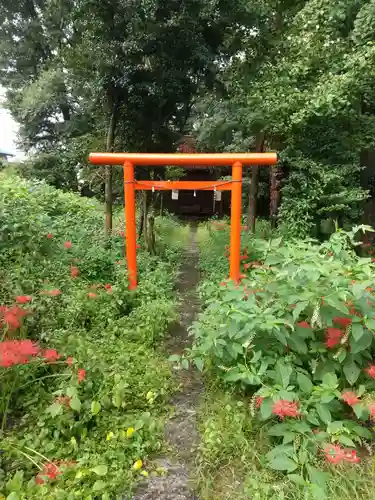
<point x="75" y="403"/>
<point x="317" y="477"/>
<point x="54" y="409"/>
<point x="278" y="429"/>
<point x="336" y="304"/>
<point x="330" y="380"/>
<point x="266" y="408"/>
<point x="99" y="485"/>
<point x="199" y="363"/>
<point x="346" y="441"/>
<point x="300" y="307"/>
<point x="324" y="413"/>
<point x="174" y="358"/>
<point x="351" y="371"/>
<point x="357" y="331"/>
<point x="282" y="462"/>
<point x="304" y="383"/>
<point x="185" y="364"/>
<point x="95" y="407"/>
<point x="297" y="344"/>
<point x="297" y="479"/>
<point x="100" y="470"/>
<point x="283" y="373"/>
<point x="362" y="344"/>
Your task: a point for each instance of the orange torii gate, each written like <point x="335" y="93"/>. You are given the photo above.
<point x="130" y="160"/>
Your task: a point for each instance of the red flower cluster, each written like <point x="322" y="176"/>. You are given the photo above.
<point x="350" y="398"/>
<point x="335" y="455"/>
<point x="17" y="352"/>
<point x="68" y="244"/>
<point x="81" y="374"/>
<point x="343" y="322"/>
<point x="333" y="337"/>
<point x="284" y="408"/>
<point x="303" y="324"/>
<point x="23" y="299"/>
<point x="74" y="271"/>
<point x="11" y="317"/>
<point x="51" y="355"/>
<point x="108" y="287"/>
<point x="50" y="471"/>
<point x="371" y="371"/>
<point x="50" y="236"/>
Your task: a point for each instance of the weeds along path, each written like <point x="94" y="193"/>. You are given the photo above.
<point x="181" y="429"/>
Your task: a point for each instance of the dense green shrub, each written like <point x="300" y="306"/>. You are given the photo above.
<point x="296" y="336"/>
<point x="83" y="385"/>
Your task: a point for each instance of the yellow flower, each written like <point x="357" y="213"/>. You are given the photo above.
<point x="129" y="432"/>
<point x="137" y="465"/>
<point x="109" y="436"/>
<point x="149" y="395"/>
<point x="144" y="473"/>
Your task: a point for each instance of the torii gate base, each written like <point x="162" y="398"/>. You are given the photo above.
<point x="129" y="160"/>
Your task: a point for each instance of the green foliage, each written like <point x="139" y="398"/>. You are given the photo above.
<point x="296" y="334"/>
<point x="89" y="405"/>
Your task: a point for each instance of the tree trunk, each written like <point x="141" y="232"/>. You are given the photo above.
<point x="253" y="188"/>
<point x="108" y="173"/>
<point x="275" y="180"/>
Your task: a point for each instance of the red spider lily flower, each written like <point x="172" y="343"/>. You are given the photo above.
<point x="68" y="244"/>
<point x="108" y="287"/>
<point x="63" y="401"/>
<point x="350" y="398"/>
<point x="17" y="352"/>
<point x="351" y="457"/>
<point x="303" y="324"/>
<point x="12" y="317"/>
<point x="74" y="271"/>
<point x="52" y="293"/>
<point x="122" y="233"/>
<point x="259" y="401"/>
<point x="50" y="471"/>
<point x="371" y="371"/>
<point x="50" y="236"/>
<point x="246" y="266"/>
<point x="284" y="408"/>
<point x="81" y="373"/>
<point x="51" y="355"/>
<point x="137" y="246"/>
<point x="92" y="295"/>
<point x="243" y="257"/>
<point x="333" y="337"/>
<point x="343" y="322"/>
<point x="334" y="453"/>
<point x="23" y="299"/>
<point x="69" y="361"/>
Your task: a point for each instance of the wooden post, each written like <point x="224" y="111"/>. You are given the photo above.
<point x="130" y="224"/>
<point x="235" y="222"/>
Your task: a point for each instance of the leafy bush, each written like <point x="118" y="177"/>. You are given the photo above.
<point x="83" y="400"/>
<point x="297" y="336"/>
